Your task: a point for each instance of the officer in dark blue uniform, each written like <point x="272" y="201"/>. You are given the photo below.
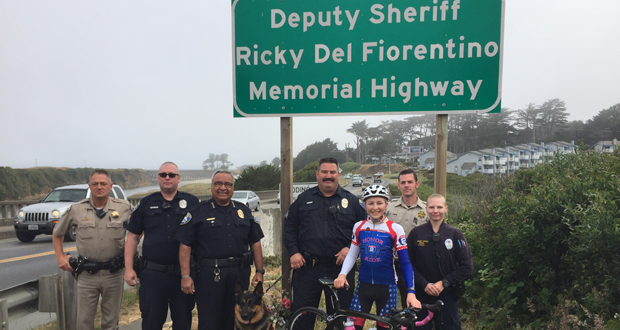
<point x="441" y="263"/>
<point x="159" y="216"/>
<point x="317" y="235"/>
<point x="221" y="232"/>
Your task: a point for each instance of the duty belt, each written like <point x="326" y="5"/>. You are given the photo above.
<point x="312" y="259"/>
<point x="228" y="262"/>
<point x="168" y="269"/>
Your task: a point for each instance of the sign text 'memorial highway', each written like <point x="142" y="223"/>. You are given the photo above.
<point x="344" y="57"/>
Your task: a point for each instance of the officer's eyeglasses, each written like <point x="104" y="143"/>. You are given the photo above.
<point x="219" y="184"/>
<point x="171" y="175"/>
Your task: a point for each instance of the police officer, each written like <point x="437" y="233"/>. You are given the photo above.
<point x="220" y="231"/>
<point x="441" y="263"/>
<point x="409" y="212"/>
<point x="159" y="216"/>
<point x="317" y="235"/>
<point x="99" y="240"/>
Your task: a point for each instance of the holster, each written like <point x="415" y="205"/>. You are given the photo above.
<point x="117" y="263"/>
<point x="78" y="266"/>
<point x="247" y="260"/>
<point x="194" y="267"/>
<point x="458" y="290"/>
<point x="138" y="264"/>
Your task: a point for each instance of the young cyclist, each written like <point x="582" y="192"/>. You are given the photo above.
<point x="376" y="239"/>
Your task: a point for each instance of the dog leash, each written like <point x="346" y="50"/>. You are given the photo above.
<point x="278" y="280"/>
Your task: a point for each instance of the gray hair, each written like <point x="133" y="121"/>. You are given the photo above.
<point x="100" y="171"/>
<point x="223" y="171"/>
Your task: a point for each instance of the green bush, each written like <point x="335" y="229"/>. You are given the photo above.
<point x="549" y="238"/>
<point x="33" y="182"/>
<point x="306" y="174"/>
<point x="349" y="167"/>
<point x="265" y="177"/>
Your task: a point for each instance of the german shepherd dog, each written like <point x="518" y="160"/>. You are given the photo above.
<point x="250" y="310"/>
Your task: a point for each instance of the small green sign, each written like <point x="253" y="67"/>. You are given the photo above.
<point x="356" y="57"/>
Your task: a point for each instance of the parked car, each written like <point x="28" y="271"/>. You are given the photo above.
<point x="41" y="218"/>
<point x="368" y="176"/>
<point x="357" y="183"/>
<point x="348" y="176"/>
<point x="366" y="183"/>
<point x="248" y="198"/>
<point x="377" y="180"/>
<point x="278" y="197"/>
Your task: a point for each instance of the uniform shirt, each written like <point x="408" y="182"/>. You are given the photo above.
<point x="217" y="232"/>
<point x="452" y="248"/>
<point x="407" y="216"/>
<point x="97" y="239"/>
<point x="160" y="225"/>
<point x="378" y="243"/>
<point x="309" y="226"/>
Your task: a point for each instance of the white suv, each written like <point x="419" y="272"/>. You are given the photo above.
<point x="41" y="218"/>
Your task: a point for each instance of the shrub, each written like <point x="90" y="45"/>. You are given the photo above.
<point x="547" y="238"/>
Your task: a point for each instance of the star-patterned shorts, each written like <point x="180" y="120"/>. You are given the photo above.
<point x="375" y="293"/>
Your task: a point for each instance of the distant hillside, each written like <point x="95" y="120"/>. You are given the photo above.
<point x="32" y="183"/>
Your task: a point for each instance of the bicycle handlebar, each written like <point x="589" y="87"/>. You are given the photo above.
<point x="407" y="316"/>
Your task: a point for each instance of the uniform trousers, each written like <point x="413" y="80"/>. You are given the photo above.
<point x="307" y="288"/>
<point x="449" y="320"/>
<point x="89" y="288"/>
<point x="216" y="300"/>
<point x="158" y="291"/>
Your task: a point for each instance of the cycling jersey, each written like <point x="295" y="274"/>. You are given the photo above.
<point x="376" y="244"/>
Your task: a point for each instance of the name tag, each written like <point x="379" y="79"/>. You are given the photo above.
<point x="154" y="207"/>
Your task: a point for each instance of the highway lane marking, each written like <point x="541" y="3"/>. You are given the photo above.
<point x="34" y="255"/>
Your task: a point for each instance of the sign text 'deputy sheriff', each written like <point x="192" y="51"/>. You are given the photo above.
<point x="325" y="57"/>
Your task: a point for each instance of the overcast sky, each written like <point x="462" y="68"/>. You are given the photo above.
<point x="131" y="84"/>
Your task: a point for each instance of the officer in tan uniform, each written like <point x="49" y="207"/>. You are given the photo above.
<point x="409" y="211"/>
<point x="100" y="237"/>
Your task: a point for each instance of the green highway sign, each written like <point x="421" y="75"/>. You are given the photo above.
<point x="356" y="57"/>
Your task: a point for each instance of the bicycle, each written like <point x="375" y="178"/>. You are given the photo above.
<point x="316" y="319"/>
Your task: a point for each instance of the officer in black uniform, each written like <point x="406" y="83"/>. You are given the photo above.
<point x="441" y="262"/>
<point x="221" y="232"/>
<point x="317" y="235"/>
<point x="159" y="216"/>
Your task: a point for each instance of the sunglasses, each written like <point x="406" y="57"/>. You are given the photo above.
<point x="171" y="175"/>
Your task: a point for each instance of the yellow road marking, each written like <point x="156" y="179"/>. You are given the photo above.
<point x="34" y="255"/>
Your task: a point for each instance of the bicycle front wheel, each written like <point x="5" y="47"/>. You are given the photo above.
<point x="307" y="318"/>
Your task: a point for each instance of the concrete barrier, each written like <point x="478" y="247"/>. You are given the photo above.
<point x="271" y="224"/>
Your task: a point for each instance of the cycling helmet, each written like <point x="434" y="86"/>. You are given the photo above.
<point x="375" y="191"/>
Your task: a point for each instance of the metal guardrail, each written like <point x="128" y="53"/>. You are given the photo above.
<point x="50" y="293"/>
<point x="8" y="209"/>
<point x="18" y="301"/>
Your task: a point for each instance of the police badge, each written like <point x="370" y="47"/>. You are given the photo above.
<point x="182" y="203"/>
<point x="240" y="214"/>
<point x="344" y="203"/>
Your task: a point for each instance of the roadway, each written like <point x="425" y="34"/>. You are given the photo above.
<point x="24" y="262"/>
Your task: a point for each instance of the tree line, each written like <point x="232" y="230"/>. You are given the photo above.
<point x="547" y="122"/>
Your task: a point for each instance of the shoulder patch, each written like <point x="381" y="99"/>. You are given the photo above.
<point x="255" y="219"/>
<point x="133" y="208"/>
<point x="187" y="219"/>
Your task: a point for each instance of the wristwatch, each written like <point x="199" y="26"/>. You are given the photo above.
<point x="260" y="271"/>
<point x="446" y="283"/>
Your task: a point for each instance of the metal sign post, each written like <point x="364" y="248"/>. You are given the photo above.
<point x="286" y="185"/>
